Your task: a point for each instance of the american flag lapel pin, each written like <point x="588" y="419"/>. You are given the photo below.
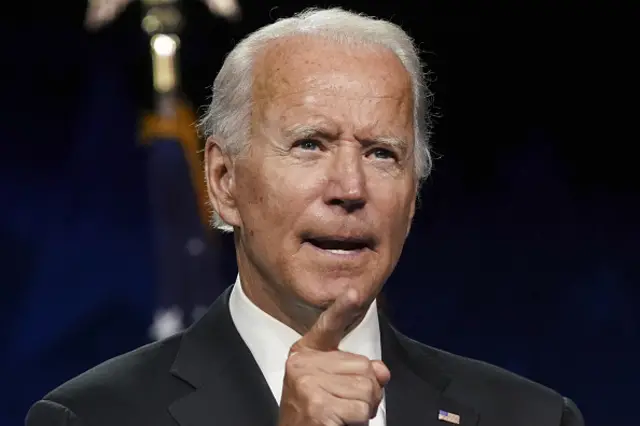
<point x="448" y="417"/>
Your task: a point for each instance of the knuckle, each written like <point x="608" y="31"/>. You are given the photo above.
<point x="295" y="360"/>
<point x="316" y="408"/>
<point x="360" y="410"/>
<point x="367" y="367"/>
<point x="294" y="349"/>
<point x="364" y="384"/>
<point x="297" y="347"/>
<point x="373" y="390"/>
<point x="292" y="361"/>
<point x="316" y="405"/>
<point x="328" y="419"/>
<point x="362" y="363"/>
<point x="306" y="383"/>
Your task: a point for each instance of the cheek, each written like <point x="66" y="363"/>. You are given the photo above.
<point x="396" y="214"/>
<point x="270" y="199"/>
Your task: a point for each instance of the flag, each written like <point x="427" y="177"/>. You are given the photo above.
<point x="187" y="272"/>
<point x="449" y="417"/>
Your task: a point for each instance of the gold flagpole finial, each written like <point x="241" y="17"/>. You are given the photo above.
<point x="162" y="21"/>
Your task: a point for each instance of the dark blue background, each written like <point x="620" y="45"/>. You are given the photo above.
<point x="525" y="252"/>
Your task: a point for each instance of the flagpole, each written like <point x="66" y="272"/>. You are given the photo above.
<point x="187" y="255"/>
<point x="161" y="21"/>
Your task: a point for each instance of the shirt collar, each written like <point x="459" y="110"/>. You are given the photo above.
<point x="269" y="340"/>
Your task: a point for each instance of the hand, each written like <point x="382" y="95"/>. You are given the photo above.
<point x="324" y="386"/>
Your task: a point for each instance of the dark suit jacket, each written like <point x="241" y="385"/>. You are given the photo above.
<point x="206" y="376"/>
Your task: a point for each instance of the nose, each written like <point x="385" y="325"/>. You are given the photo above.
<point x="346" y="180"/>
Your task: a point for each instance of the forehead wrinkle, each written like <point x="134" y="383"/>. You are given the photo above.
<point x="306" y="130"/>
<point x="318" y="123"/>
<point x="280" y="74"/>
<point x="306" y="95"/>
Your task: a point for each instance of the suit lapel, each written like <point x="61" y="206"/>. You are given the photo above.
<point x="229" y="387"/>
<point x="415" y="394"/>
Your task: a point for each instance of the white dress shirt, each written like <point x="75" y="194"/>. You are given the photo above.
<point x="269" y="341"/>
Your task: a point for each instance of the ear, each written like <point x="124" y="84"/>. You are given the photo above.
<point x="221" y="182"/>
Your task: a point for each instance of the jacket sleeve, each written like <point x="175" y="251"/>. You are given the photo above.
<point x="49" y="413"/>
<point x="571" y="415"/>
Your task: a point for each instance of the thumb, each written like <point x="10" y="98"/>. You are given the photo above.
<point x="383" y="375"/>
<point x="330" y="327"/>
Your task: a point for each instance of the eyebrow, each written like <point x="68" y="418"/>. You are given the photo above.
<point x="308" y="131"/>
<point x="399" y="144"/>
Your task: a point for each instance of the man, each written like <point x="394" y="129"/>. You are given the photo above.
<point x="316" y="149"/>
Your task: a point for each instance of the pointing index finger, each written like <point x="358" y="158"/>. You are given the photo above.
<point x="329" y="329"/>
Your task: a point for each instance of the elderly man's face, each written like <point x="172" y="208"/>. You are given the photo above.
<point x="324" y="197"/>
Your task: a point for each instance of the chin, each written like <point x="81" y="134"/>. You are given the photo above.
<point x="322" y="290"/>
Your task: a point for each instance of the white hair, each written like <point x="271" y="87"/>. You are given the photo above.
<point x="228" y="117"/>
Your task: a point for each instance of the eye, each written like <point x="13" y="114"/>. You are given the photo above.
<point x="307" y="144"/>
<point x="383" y="154"/>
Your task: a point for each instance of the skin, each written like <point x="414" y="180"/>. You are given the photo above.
<point x="330" y="157"/>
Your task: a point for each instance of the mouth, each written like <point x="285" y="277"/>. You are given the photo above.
<point x="341" y="245"/>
